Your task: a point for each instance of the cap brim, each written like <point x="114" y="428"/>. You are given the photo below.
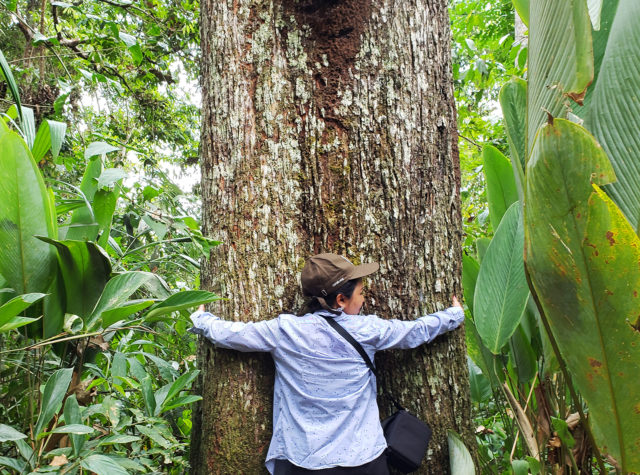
<point x="364" y="269"/>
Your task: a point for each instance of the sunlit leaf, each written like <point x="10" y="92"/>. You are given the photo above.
<point x="26" y="263"/>
<point x="181" y="301"/>
<point x="99" y="148"/>
<point x="460" y="460"/>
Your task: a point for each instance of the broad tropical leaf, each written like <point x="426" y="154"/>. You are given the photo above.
<point x="13" y="86"/>
<point x="513" y="101"/>
<point x="9" y="318"/>
<point x="595" y="9"/>
<point x="85" y="269"/>
<point x="102" y="465"/>
<point x="72" y="416"/>
<point x="98" y="148"/>
<point x="109" y="317"/>
<point x="49" y="137"/>
<point x="116" y="294"/>
<point x="27" y="264"/>
<point x="104" y="205"/>
<point x="83" y="225"/>
<point x="614" y="115"/>
<point x="522" y="7"/>
<point x="181" y="301"/>
<point x="582" y="257"/>
<point x="460" y="460"/>
<point x="501" y="186"/>
<point x="501" y="291"/>
<point x="8" y="433"/>
<point x="52" y="397"/>
<point x="560" y="59"/>
<point x="470" y="269"/>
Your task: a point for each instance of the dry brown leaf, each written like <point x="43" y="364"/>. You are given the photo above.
<point x="99" y="342"/>
<point x="573" y="420"/>
<point x="555" y="442"/>
<point x="59" y="461"/>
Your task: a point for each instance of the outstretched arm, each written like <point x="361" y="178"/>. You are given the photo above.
<point x="252" y="336"/>
<point x="403" y="334"/>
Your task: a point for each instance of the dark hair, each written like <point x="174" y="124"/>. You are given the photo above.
<point x="347" y="290"/>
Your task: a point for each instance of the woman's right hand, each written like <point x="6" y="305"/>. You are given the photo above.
<point x="456" y="302"/>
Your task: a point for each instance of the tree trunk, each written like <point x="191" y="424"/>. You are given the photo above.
<point x="328" y="126"/>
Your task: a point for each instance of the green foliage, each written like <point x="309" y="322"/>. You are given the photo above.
<point x="501" y="292"/>
<point x="578" y="247"/>
<point x="460" y="459"/>
<point x="27" y="264"/>
<point x="107" y="242"/>
<point x="614" y="112"/>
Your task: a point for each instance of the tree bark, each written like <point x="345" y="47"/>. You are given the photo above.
<point x="328" y="126"/>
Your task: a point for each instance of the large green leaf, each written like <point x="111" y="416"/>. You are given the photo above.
<point x="72" y="416"/>
<point x="52" y="397"/>
<point x="479" y="384"/>
<point x="16" y="305"/>
<point x="8" y="433"/>
<point x="26" y="263"/>
<point x="174" y="389"/>
<point x="522" y="7"/>
<point x="582" y="256"/>
<point x="85" y="269"/>
<point x="104" y="205"/>
<point x="501" y="186"/>
<point x="109" y="317"/>
<point x="13" y="85"/>
<point x="9" y="318"/>
<point x="595" y="9"/>
<point x="53" y="307"/>
<point x="103" y="465"/>
<point x="513" y="101"/>
<point x="460" y="461"/>
<point x="522" y="355"/>
<point x="181" y="301"/>
<point x="501" y="291"/>
<point x="614" y="115"/>
<point x="560" y="59"/>
<point x="470" y="269"/>
<point x="116" y="294"/>
<point x="49" y="137"/>
<point x="83" y="225"/>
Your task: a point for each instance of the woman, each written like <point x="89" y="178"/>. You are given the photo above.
<point x="325" y="414"/>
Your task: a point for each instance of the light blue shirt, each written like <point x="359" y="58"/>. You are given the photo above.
<point x="325" y="412"/>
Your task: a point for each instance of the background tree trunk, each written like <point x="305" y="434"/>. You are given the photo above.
<point x="328" y="126"/>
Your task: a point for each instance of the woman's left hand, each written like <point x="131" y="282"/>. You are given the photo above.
<point x="456" y="302"/>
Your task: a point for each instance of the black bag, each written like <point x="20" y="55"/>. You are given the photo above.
<point x="407" y="440"/>
<point x="407" y="436"/>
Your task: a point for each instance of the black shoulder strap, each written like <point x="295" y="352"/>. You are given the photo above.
<point x="347" y="336"/>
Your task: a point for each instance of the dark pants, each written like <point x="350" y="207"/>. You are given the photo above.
<point x="375" y="467"/>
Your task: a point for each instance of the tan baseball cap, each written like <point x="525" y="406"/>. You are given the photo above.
<point x="323" y="274"/>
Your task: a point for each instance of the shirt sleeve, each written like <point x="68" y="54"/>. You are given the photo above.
<point x="403" y="334"/>
<point x="240" y="336"/>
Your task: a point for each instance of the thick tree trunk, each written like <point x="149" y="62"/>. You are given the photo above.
<point x="328" y="126"/>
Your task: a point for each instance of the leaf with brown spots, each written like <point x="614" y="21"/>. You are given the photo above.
<point x="582" y="255"/>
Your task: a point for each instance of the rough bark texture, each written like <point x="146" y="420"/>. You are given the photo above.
<point x="328" y="126"/>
